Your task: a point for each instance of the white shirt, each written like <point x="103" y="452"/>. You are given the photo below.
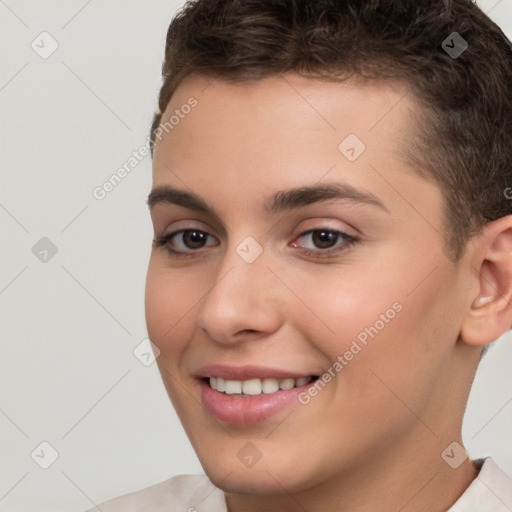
<point x="490" y="491"/>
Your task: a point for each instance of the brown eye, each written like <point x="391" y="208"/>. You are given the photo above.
<point x="324" y="240"/>
<point x="188" y="242"/>
<point x="193" y="239"/>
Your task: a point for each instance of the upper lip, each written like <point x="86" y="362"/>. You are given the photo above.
<point x="247" y="372"/>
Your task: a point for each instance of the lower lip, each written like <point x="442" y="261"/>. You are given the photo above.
<point x="243" y="410"/>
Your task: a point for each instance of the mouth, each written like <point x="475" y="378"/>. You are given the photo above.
<point x="237" y="396"/>
<point x="256" y="386"/>
<point x="249" y="394"/>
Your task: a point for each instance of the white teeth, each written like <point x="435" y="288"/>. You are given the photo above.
<point x="302" y="381"/>
<point x="254" y="387"/>
<point x="286" y="384"/>
<point x="270" y="385"/>
<point x="251" y="387"/>
<point x="233" y="387"/>
<point x="221" y="384"/>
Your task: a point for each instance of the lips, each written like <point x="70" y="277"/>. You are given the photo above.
<point x="236" y="407"/>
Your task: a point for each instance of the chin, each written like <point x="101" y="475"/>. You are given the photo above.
<point x="249" y="483"/>
<point x="263" y="478"/>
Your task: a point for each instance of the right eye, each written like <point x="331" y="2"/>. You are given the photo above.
<point x="191" y="239"/>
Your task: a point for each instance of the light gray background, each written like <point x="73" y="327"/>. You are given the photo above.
<point x="69" y="326"/>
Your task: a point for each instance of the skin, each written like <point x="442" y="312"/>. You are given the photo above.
<point x="373" y="438"/>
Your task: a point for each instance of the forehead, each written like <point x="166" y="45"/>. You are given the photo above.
<point x="294" y="107"/>
<point x="246" y="140"/>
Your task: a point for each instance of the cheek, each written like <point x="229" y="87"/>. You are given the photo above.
<point x="339" y="307"/>
<point x="375" y="323"/>
<point x="168" y="301"/>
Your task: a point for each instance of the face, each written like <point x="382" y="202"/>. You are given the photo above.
<point x="306" y="253"/>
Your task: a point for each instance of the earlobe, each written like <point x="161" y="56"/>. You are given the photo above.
<point x="490" y="314"/>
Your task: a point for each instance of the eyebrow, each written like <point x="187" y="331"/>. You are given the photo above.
<point x="281" y="201"/>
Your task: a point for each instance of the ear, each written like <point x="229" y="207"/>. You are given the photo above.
<point x="490" y="313"/>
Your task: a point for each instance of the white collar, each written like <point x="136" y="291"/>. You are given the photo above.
<point x="490" y="491"/>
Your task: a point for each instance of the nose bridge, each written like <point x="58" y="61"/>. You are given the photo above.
<point x="240" y="297"/>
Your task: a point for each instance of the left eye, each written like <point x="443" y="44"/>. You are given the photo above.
<point x="325" y="239"/>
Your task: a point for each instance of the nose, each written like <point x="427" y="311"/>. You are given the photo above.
<point x="243" y="301"/>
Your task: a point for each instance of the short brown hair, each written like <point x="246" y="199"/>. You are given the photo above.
<point x="464" y="126"/>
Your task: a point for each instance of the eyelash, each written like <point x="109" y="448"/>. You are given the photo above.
<point x="326" y="253"/>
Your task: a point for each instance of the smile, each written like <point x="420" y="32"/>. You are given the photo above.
<point x="256" y="386"/>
